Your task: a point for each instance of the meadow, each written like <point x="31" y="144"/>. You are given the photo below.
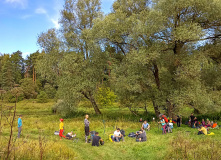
<point x="39" y="142"/>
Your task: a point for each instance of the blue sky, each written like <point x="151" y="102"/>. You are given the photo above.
<point x="22" y="20"/>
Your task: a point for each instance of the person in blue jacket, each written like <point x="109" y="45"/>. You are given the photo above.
<point x="19" y="125"/>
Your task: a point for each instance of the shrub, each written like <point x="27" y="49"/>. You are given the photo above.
<point x="50" y="91"/>
<point x="42" y="97"/>
<point x="105" y="96"/>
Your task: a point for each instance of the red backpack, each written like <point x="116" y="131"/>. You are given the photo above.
<point x="165" y="118"/>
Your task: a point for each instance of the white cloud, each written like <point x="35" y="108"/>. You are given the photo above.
<point x="40" y="11"/>
<point x="55" y="22"/>
<point x="18" y="3"/>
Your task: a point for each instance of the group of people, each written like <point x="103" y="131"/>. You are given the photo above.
<point x="167" y="124"/>
<point x="203" y="126"/>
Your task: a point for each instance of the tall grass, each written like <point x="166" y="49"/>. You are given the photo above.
<point x="38" y="140"/>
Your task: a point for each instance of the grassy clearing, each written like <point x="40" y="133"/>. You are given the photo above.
<point x="39" y="125"/>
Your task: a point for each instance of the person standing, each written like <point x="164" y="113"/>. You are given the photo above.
<point x="19" y="125"/>
<point x="163" y="123"/>
<point x="178" y="121"/>
<point x="61" y="128"/>
<point x="192" y="117"/>
<point x="86" y="127"/>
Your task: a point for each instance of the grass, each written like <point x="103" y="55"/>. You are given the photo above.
<point x="39" y="125"/>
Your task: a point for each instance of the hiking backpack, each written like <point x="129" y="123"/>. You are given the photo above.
<point x="165" y="118"/>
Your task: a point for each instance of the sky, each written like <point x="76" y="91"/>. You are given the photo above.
<point x="21" y="21"/>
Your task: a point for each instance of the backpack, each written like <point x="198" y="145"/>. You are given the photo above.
<point x="132" y="135"/>
<point x="122" y="132"/>
<point x="165" y="118"/>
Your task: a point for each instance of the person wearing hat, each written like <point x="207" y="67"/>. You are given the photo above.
<point x="61" y="127"/>
<point x="202" y="130"/>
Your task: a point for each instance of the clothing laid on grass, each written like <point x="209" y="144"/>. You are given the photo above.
<point x="69" y="136"/>
<point x="96" y="140"/>
<point x="19" y="127"/>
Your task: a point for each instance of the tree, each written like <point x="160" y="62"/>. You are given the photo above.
<point x="159" y="46"/>
<point x="76" y="57"/>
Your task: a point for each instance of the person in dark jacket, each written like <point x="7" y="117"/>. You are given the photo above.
<point x="97" y="140"/>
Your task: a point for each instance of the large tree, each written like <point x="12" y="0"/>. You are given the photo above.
<point x="76" y="57"/>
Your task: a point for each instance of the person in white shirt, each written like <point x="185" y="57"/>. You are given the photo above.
<point x="117" y="135"/>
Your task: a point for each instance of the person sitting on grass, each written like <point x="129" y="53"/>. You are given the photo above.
<point x="146" y="126"/>
<point x="70" y="135"/>
<point x="61" y="127"/>
<point x="196" y="124"/>
<point x="96" y="140"/>
<point x="162" y="122"/>
<point x="117" y="135"/>
<point x="203" y="123"/>
<point x="215" y="125"/>
<point x="208" y="124"/>
<point x="202" y="130"/>
<point x="142" y="136"/>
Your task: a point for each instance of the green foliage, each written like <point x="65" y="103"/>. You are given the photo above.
<point x="106" y="96"/>
<point x="11" y="70"/>
<point x="50" y="91"/>
<point x="30" y="88"/>
<point x="42" y="97"/>
<point x="11" y="98"/>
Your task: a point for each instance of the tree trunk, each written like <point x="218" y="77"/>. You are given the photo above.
<point x="156" y="109"/>
<point x="93" y="102"/>
<point x="156" y="75"/>
<point x="132" y="111"/>
<point x="33" y="75"/>
<point x="145" y="107"/>
<point x="170" y="110"/>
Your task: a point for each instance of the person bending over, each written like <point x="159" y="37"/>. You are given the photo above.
<point x="202" y="130"/>
<point x="146" y="126"/>
<point x="96" y="140"/>
<point x="118" y="135"/>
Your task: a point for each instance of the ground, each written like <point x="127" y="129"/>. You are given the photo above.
<point x="38" y="139"/>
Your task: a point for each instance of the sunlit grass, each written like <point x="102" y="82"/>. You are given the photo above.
<point x="39" y="122"/>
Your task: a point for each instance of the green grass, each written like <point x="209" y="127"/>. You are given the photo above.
<point x="183" y="143"/>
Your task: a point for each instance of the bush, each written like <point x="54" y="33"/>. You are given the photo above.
<point x="105" y="96"/>
<point x="10" y="95"/>
<point x="50" y="91"/>
<point x="42" y="97"/>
